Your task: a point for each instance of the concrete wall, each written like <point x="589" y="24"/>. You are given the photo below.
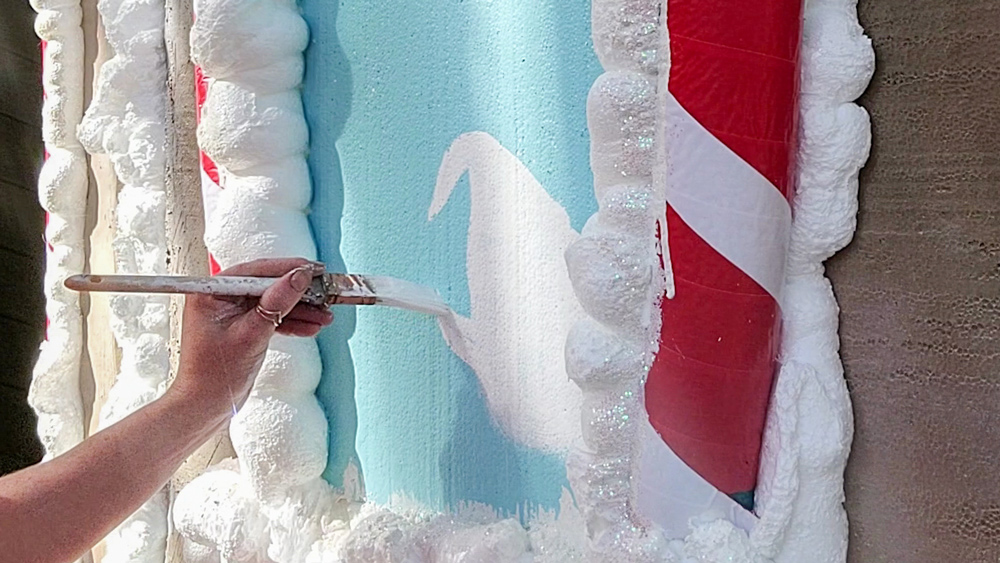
<point x="22" y="260"/>
<point x="920" y="289"/>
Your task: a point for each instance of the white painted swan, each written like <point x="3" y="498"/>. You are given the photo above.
<point x="522" y="302"/>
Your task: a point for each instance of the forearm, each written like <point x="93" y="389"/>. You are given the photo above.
<point x="55" y="511"/>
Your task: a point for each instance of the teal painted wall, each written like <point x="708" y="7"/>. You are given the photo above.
<point x="389" y="85"/>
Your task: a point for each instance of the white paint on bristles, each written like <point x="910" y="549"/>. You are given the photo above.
<point x="62" y="192"/>
<point x="393" y="292"/>
<point x="127" y="122"/>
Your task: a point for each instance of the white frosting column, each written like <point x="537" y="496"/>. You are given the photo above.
<point x="276" y="507"/>
<point x="126" y="121"/>
<point x="62" y="191"/>
<point x="617" y="276"/>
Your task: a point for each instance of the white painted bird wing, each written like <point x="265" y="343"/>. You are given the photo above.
<point x="522" y="302"/>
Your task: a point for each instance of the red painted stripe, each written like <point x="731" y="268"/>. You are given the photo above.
<point x="207" y="164"/>
<point x="43" y="46"/>
<point x="213" y="266"/>
<point x="48" y="245"/>
<point x="201" y="89"/>
<point x="734" y="67"/>
<point x="201" y="92"/>
<point x="45" y="95"/>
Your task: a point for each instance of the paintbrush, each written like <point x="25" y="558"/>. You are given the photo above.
<point x="326" y="289"/>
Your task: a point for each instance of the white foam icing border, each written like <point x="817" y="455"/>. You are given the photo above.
<point x="616" y="273"/>
<point x="127" y="122"/>
<point x="810" y="424"/>
<point x="809" y="429"/>
<point x="62" y="191"/>
<point x="275" y="506"/>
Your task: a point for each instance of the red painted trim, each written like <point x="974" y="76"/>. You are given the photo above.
<point x="213" y="266"/>
<point x="48" y="245"/>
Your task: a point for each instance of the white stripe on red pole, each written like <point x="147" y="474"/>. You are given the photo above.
<point x="727" y="202"/>
<point x="730" y="133"/>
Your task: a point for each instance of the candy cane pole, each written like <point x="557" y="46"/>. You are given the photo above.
<point x="730" y="128"/>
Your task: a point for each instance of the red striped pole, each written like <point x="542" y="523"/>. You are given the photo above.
<point x="210" y="184"/>
<point x="731" y="128"/>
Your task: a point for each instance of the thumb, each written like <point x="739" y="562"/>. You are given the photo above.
<point x="284" y="294"/>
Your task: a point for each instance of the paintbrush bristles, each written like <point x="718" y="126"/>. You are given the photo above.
<point x="402" y="294"/>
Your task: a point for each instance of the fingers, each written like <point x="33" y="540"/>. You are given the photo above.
<point x="269" y="267"/>
<point x="299" y="328"/>
<point x="310" y="314"/>
<point x="306" y="321"/>
<point x="281" y="301"/>
<point x="285" y="293"/>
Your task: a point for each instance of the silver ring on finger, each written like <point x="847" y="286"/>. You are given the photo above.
<point x="274" y="317"/>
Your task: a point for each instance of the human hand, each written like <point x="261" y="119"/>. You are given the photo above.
<point x="224" y="339"/>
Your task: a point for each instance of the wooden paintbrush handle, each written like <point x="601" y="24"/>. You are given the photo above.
<point x="233" y="286"/>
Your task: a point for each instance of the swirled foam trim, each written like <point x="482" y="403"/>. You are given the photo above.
<point x="618" y="276"/>
<point x="253" y="128"/>
<point x="127" y="121"/>
<point x="62" y="191"/>
<point x="810" y="424"/>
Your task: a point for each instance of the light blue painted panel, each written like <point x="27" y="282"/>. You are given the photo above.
<point x="389" y="85"/>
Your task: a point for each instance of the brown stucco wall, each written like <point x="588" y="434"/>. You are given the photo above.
<point x="920" y="289"/>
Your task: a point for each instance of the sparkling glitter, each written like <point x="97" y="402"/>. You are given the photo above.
<point x="615" y="272"/>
